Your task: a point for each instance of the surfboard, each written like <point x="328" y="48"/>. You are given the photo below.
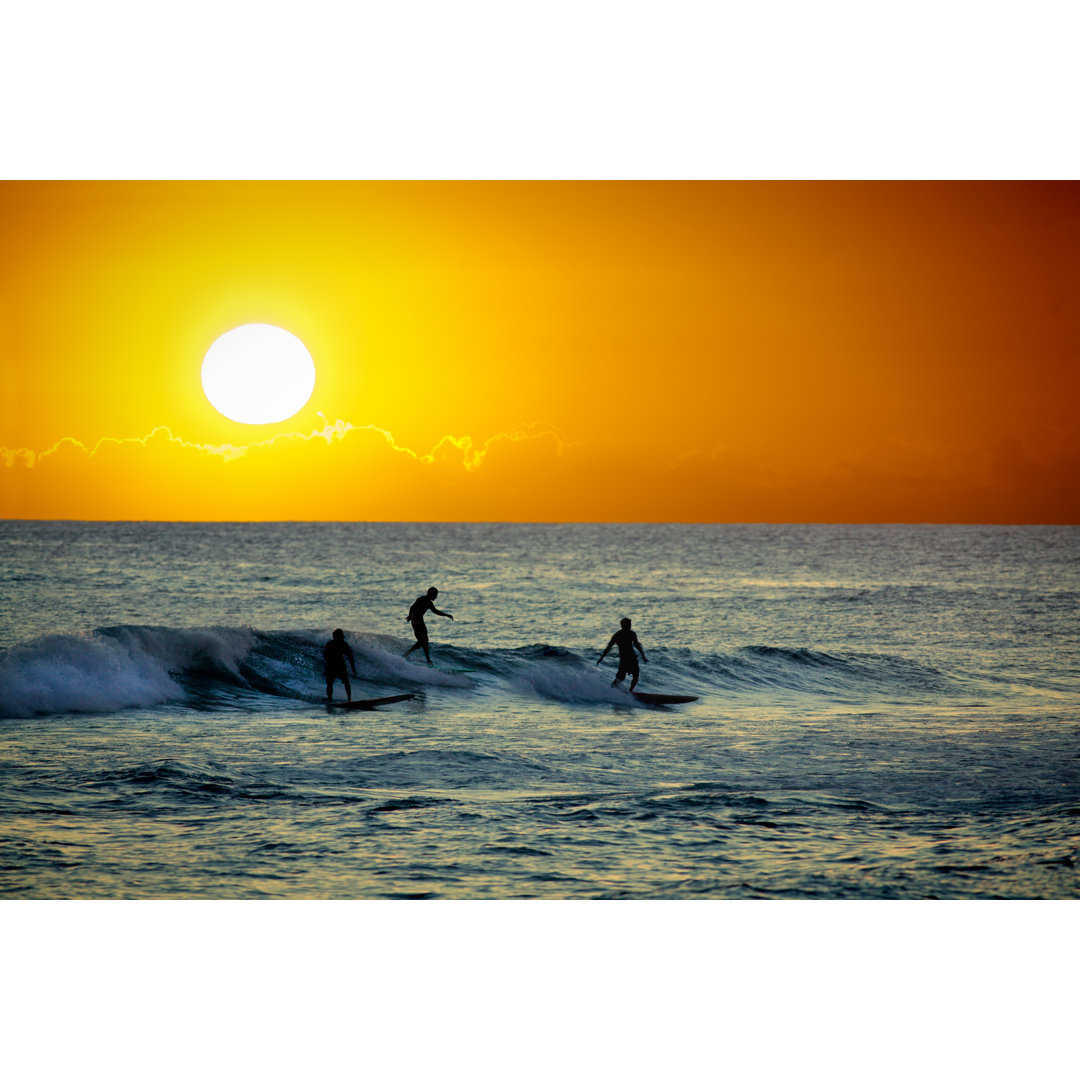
<point x="663" y="699"/>
<point x="368" y="703"/>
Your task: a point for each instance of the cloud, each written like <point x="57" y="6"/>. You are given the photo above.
<point x="461" y="451"/>
<point x="343" y="471"/>
<point x="229" y="452"/>
<point x="339" y="470"/>
<point x="20" y="457"/>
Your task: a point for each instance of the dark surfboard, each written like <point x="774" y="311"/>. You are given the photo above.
<point x="368" y="703"/>
<point x="662" y="699"/>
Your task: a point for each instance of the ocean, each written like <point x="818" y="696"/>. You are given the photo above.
<point x="883" y="712"/>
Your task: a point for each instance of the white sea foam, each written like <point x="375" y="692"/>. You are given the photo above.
<point x="217" y="648"/>
<point x="81" y="673"/>
<point x="562" y="682"/>
<point x="391" y="664"/>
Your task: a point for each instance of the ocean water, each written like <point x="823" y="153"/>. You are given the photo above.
<point x="884" y="712"/>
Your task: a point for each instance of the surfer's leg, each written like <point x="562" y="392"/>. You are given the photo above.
<point x="421" y="641"/>
<point x="348" y="688"/>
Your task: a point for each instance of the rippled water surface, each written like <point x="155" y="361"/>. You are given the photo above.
<point x="883" y="712"/>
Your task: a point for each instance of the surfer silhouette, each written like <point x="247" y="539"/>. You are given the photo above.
<point x="420" y="606"/>
<point x="335" y="652"/>
<point x="626" y="641"/>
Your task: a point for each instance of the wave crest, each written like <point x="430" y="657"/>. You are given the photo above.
<point x="81" y="673"/>
<point x="121" y="667"/>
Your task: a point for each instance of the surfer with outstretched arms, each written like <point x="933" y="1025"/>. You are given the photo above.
<point x="626" y="641"/>
<point x="420" y="606"/>
<point x="335" y="652"/>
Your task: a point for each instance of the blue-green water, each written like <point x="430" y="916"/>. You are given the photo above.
<point x="883" y="712"/>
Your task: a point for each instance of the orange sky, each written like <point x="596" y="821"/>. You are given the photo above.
<point x="548" y="351"/>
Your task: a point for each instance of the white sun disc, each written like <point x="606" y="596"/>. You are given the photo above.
<point x="258" y="374"/>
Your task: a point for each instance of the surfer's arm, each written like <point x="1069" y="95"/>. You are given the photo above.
<point x="607" y="649"/>
<point x="637" y="645"/>
<point x="352" y="659"/>
<point x="444" y="614"/>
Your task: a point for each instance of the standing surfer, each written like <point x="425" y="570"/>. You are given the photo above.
<point x="626" y="641"/>
<point x="420" y="606"/>
<point x="335" y="652"/>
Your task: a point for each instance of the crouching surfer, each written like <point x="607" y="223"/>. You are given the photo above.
<point x="335" y="652"/>
<point x="626" y="641"/>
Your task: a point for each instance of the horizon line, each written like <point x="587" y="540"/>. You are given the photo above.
<point x="501" y="521"/>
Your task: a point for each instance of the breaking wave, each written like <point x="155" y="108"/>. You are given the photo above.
<point x="123" y="667"/>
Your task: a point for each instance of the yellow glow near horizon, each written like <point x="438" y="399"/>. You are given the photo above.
<point x="258" y="374"/>
<point x="526" y="351"/>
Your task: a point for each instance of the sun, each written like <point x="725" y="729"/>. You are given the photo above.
<point x="258" y="374"/>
